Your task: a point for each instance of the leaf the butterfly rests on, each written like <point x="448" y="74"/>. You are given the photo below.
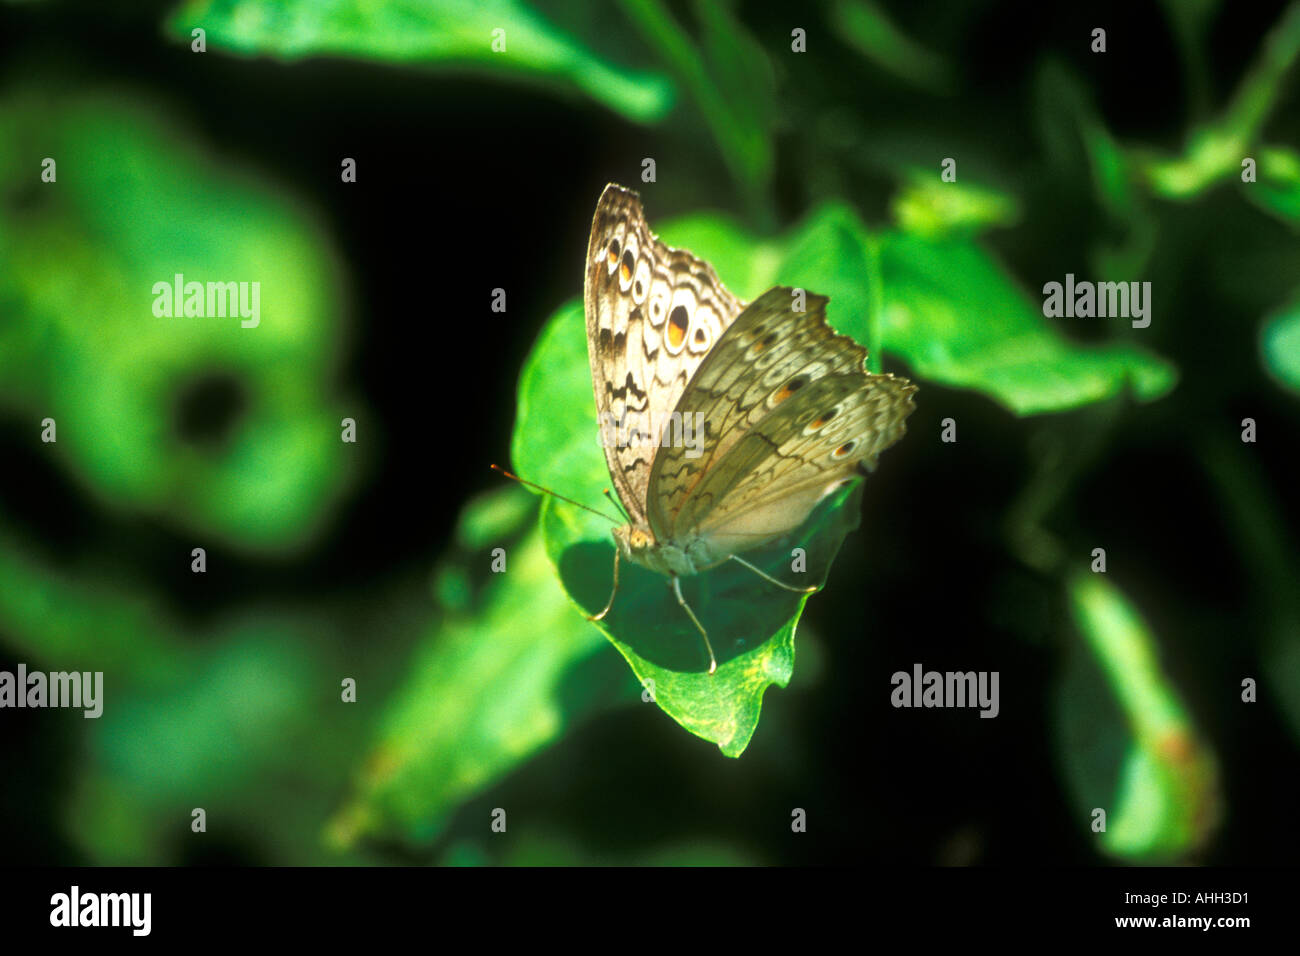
<point x="788" y="413"/>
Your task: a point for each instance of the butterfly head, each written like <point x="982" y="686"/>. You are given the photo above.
<point x="666" y="557"/>
<point x="634" y="542"/>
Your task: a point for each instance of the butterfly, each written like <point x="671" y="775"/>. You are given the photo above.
<point x="723" y="423"/>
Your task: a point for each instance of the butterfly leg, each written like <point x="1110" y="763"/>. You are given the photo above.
<point x="677" y="590"/>
<point x="610" y="603"/>
<point x="768" y="577"/>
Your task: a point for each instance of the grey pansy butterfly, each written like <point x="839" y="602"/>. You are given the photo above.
<point x="723" y="423"/>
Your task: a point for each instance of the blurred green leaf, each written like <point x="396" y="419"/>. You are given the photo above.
<point x="867" y="28"/>
<point x="134" y="204"/>
<point x="1190" y="22"/>
<point x="949" y="310"/>
<point x="1078" y="143"/>
<point x="1279" y="342"/>
<point x="1268" y="555"/>
<point x="542" y="847"/>
<point x="956" y="317"/>
<point x="1074" y="133"/>
<point x="488" y="688"/>
<point x="1215" y="152"/>
<point x="111" y="825"/>
<point x="740" y="68"/>
<point x="493" y="517"/>
<point x="80" y="618"/>
<point x="927" y="206"/>
<point x="249" y="729"/>
<point x="1129" y="745"/>
<point x="446" y="33"/>
<point x="207" y="732"/>
<point x="1277" y="189"/>
<point x="730" y="80"/>
<point x="751" y="623"/>
<point x="227" y="717"/>
<point x="1212" y="154"/>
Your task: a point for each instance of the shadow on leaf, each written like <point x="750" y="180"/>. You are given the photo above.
<point x="741" y="611"/>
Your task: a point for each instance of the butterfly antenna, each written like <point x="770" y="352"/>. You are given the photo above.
<point x="615" y="502"/>
<point x="553" y="494"/>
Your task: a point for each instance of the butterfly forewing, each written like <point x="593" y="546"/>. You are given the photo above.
<point x="653" y="314"/>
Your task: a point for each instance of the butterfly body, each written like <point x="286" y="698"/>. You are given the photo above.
<point x="670" y="557"/>
<point x="723" y="423"/>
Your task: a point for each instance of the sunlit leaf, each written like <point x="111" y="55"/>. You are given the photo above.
<point x="455" y="34"/>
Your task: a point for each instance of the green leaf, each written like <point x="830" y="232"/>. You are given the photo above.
<point x="450" y="33"/>
<point x="1279" y="343"/>
<point x="1130" y="746"/>
<point x="135" y="203"/>
<point x="949" y="310"/>
<point x="751" y="622"/>
<point x="1191" y="21"/>
<point x="1277" y="190"/>
<point x="957" y="318"/>
<point x="490" y="686"/>
<point x="867" y="28"/>
<point x="53" y="616"/>
<point x="228" y="708"/>
<point x="1215" y="152"/>
<point x="1074" y="134"/>
<point x="1251" y="506"/>
<point x="739" y="67"/>
<point x="927" y="206"/>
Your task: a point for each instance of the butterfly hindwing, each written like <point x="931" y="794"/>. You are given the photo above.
<point x="653" y="314"/>
<point x="770" y="480"/>
<point x="790" y="414"/>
